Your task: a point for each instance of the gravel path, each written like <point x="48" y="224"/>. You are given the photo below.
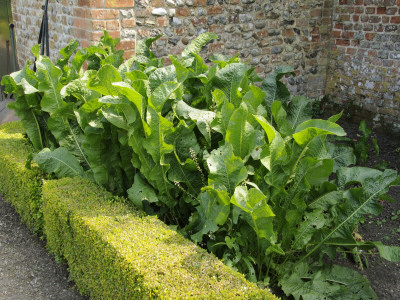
<point x="27" y="270"/>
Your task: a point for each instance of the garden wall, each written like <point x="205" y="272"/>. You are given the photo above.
<point x="365" y="58"/>
<point x="360" y="71"/>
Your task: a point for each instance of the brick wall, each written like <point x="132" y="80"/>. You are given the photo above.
<point x="365" y="59"/>
<point x="346" y="49"/>
<point x="265" y="33"/>
<point x="27" y="15"/>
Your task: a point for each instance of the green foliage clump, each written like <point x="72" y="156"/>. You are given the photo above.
<point x="232" y="160"/>
<point x="114" y="252"/>
<point x="20" y="186"/>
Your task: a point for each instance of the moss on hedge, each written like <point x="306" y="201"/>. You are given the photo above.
<point x="114" y="252"/>
<point x="20" y="186"/>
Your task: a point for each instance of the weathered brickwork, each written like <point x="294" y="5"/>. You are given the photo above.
<point x="264" y="33"/>
<point x="346" y="49"/>
<point x="27" y="17"/>
<point x="365" y="58"/>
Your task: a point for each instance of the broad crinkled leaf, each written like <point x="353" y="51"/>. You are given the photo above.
<point x="49" y="84"/>
<point x="161" y="75"/>
<point x="143" y="46"/>
<point x="103" y="81"/>
<point x="203" y="118"/>
<point x="182" y="72"/>
<point x="232" y="81"/>
<point x="240" y="134"/>
<point x="259" y="214"/>
<point x="299" y="110"/>
<point x="213" y="210"/>
<point x="224" y="112"/>
<point x="226" y="170"/>
<point x="161" y="94"/>
<point x="132" y="95"/>
<point x="274" y="88"/>
<point x="280" y="117"/>
<point x="330" y="282"/>
<point x="310" y="129"/>
<point x="312" y="222"/>
<point x="390" y="253"/>
<point x="60" y="162"/>
<point x="79" y="90"/>
<point x="342" y="155"/>
<point x="198" y="43"/>
<point x="141" y="191"/>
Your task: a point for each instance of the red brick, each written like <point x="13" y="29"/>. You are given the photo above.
<point x="356" y="18"/>
<point x="287" y="32"/>
<point x="128" y="23"/>
<point x="391" y="10"/>
<point x="119" y="3"/>
<point x="162" y="21"/>
<point x="385" y="19"/>
<point x="342" y="42"/>
<point x="158" y="3"/>
<point x="315" y="38"/>
<point x="347" y="34"/>
<point x="214" y="10"/>
<point x="338" y="26"/>
<point x="359" y="2"/>
<point x="316" y="13"/>
<point x="217" y="47"/>
<point x="126" y="45"/>
<point x="82" y="23"/>
<point x="81" y="12"/>
<point x="372" y="53"/>
<point x="81" y="34"/>
<point x="200" y="2"/>
<point x="351" y="51"/>
<point x="381" y="10"/>
<point x="182" y="12"/>
<point x="370" y="36"/>
<point x="98" y="25"/>
<point x="91" y="3"/>
<point x="112" y="25"/>
<point x="199" y="21"/>
<point x="216" y="28"/>
<point x="342" y="2"/>
<point x="395" y="20"/>
<point x="336" y="33"/>
<point x="103" y="14"/>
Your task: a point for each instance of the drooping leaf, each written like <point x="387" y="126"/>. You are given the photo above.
<point x="143" y="46"/>
<point x="232" y="81"/>
<point x="259" y="214"/>
<point x="59" y="162"/>
<point x="240" y="134"/>
<point x="226" y="170"/>
<point x="310" y="129"/>
<point x="141" y="191"/>
<point x="104" y="79"/>
<point x="274" y="88"/>
<point x="203" y="118"/>
<point x="198" y="43"/>
<point x="213" y="210"/>
<point x="161" y="94"/>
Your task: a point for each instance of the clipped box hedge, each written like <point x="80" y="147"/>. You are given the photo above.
<point x="19" y="186"/>
<point x="113" y="251"/>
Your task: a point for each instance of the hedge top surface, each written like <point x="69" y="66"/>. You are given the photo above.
<point x="171" y="266"/>
<point x="12" y="138"/>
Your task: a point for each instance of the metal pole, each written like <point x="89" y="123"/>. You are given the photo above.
<point x="13" y="49"/>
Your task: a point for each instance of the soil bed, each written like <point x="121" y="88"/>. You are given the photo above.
<point x="383" y="275"/>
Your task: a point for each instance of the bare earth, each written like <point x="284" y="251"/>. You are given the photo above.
<point x="27" y="270"/>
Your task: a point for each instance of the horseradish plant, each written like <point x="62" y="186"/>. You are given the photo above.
<point x="240" y="169"/>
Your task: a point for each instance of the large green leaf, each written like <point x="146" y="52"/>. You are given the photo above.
<point x="141" y="191"/>
<point x="161" y="75"/>
<point x="259" y="214"/>
<point x="310" y="129"/>
<point x="299" y="110"/>
<point x="79" y="90"/>
<point x="198" y="43"/>
<point x="280" y="117"/>
<point x="161" y="94"/>
<point x="202" y="118"/>
<point x="60" y="162"/>
<point x="274" y="88"/>
<point x="213" y="210"/>
<point x="232" y="80"/>
<point x="132" y="95"/>
<point x="143" y="46"/>
<point x="240" y="134"/>
<point x="49" y="84"/>
<point x="342" y="155"/>
<point x="312" y="222"/>
<point x="223" y="114"/>
<point x="226" y="170"/>
<point x="26" y="101"/>
<point x="103" y="81"/>
<point x="330" y="282"/>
